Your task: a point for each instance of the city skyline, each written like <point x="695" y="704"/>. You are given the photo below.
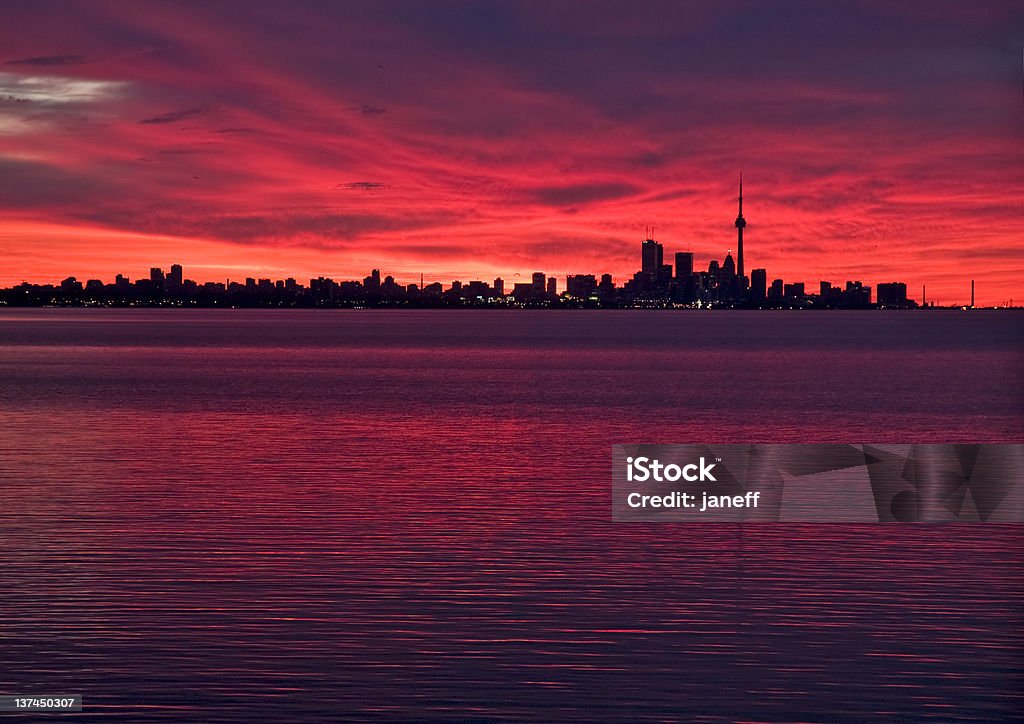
<point x="719" y="288"/>
<point x="683" y="284"/>
<point x="478" y="141"/>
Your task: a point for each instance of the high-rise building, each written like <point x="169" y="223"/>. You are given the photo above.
<point x="741" y="223"/>
<point x="893" y="294"/>
<point x="857" y="294"/>
<point x="522" y="292"/>
<point x="156" y="276"/>
<point x="538" y="282"/>
<point x="553" y="286"/>
<point x="758" y="284"/>
<point x="176" y="277"/>
<point x="477" y="290"/>
<point x="499" y="287"/>
<point x="651" y="256"/>
<point x="684" y="264"/>
<point x="581" y="286"/>
<point x="829" y="296"/>
<point x="794" y="290"/>
<point x="729" y="266"/>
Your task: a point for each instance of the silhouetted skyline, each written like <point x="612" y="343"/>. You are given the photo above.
<point x="655" y="285"/>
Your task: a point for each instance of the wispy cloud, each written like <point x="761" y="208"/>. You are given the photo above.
<point x="49" y="60"/>
<point x="57" y="89"/>
<point x="585" y="193"/>
<point x="364" y="186"/>
<point x="174" y="116"/>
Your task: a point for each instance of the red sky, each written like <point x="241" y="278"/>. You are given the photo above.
<point x="878" y="141"/>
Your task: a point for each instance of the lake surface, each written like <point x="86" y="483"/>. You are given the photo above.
<point x="242" y="514"/>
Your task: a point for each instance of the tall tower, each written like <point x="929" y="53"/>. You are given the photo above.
<point x="740" y="223"/>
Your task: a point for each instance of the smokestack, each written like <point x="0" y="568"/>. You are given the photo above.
<point x="924" y="295"/>
<point x="972" y="294"/>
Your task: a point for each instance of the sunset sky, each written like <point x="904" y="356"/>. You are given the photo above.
<point x="877" y="141"/>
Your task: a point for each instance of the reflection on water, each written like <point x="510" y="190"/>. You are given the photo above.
<point x="219" y="515"/>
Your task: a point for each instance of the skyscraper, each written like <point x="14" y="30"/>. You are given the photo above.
<point x="893" y="294"/>
<point x="729" y="266"/>
<point x="740" y="224"/>
<point x="176" y="277"/>
<point x="581" y="286"/>
<point x="684" y="264"/>
<point x="651" y="256"/>
<point x="758" y="284"/>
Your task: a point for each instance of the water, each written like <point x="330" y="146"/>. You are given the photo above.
<point x="239" y="514"/>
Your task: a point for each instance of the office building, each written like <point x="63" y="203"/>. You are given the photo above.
<point x="758" y="284"/>
<point x="651" y="257"/>
<point x="684" y="264"/>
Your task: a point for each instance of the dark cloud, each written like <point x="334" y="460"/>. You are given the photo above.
<point x="175" y="116"/>
<point x="48" y="60"/>
<point x="322" y="226"/>
<point x="312" y="228"/>
<point x="372" y="110"/>
<point x="428" y="251"/>
<point x="577" y="194"/>
<point x="187" y="151"/>
<point x="1011" y="253"/>
<point x="34" y="185"/>
<point x="364" y="186"/>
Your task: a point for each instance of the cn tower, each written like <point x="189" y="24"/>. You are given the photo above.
<point x="740" y="223"/>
